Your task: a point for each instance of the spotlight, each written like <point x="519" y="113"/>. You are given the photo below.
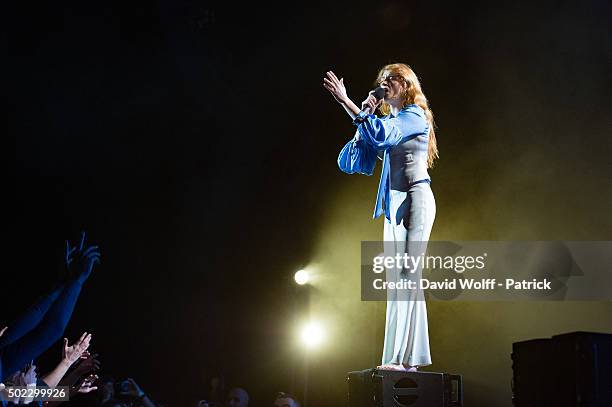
<point x="312" y="335"/>
<point x="301" y="277"/>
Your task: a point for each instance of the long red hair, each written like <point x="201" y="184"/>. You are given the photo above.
<point x="412" y="95"/>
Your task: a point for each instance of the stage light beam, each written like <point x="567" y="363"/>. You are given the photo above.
<point x="312" y="335"/>
<point x="301" y="277"/>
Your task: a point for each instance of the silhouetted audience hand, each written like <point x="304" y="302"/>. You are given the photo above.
<point x="131" y="390"/>
<point x="88" y="365"/>
<point x="28" y="377"/>
<point x="86" y="385"/>
<point x="23" y="378"/>
<point x="74" y="352"/>
<point x="70" y="354"/>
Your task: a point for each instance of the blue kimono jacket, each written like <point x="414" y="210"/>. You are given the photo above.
<point x="382" y="134"/>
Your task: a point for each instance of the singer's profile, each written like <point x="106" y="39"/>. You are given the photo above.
<point x="404" y="138"/>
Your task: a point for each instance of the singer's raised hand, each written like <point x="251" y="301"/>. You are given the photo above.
<point x="336" y="87"/>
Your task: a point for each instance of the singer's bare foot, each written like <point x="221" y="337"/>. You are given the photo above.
<point x="391" y="366"/>
<point x="399" y="368"/>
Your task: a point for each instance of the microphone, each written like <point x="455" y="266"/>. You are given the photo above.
<point x="379" y="93"/>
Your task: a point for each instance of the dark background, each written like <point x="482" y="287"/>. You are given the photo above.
<point x="195" y="143"/>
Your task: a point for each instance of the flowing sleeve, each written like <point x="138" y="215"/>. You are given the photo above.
<point x="47" y="331"/>
<point x="357" y="157"/>
<point x="32" y="317"/>
<point x="384" y="134"/>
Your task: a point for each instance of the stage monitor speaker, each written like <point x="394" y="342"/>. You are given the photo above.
<point x="573" y="369"/>
<point x="386" y="388"/>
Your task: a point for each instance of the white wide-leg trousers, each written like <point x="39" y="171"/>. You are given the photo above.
<point x="406" y="333"/>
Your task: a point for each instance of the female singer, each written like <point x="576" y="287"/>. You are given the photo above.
<point x="405" y="139"/>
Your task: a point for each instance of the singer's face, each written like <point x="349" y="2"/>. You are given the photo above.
<point x="394" y="85"/>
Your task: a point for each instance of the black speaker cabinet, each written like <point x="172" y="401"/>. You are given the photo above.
<point x="573" y="369"/>
<point x="385" y="388"/>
